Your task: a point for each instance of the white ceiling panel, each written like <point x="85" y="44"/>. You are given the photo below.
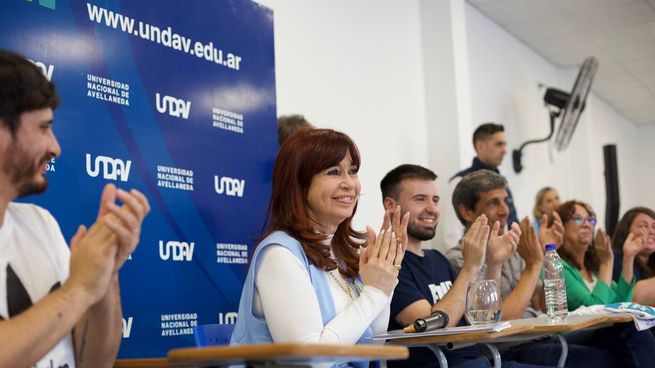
<point x="619" y="33"/>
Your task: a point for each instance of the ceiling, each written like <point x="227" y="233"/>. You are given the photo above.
<point x="619" y="33"/>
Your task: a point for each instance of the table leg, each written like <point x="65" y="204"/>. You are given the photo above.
<point x="441" y="357"/>
<point x="496" y="354"/>
<point x="565" y="351"/>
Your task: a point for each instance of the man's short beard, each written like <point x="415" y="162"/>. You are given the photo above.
<point x="28" y="188"/>
<point x="22" y="172"/>
<point x="419" y="233"/>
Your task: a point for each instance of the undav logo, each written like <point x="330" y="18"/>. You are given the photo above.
<point x="46" y="69"/>
<point x="176" y="107"/>
<point x="112" y="168"/>
<point x="230" y="186"/>
<point x="127" y="327"/>
<point x="228" y="318"/>
<point x="178" y="251"/>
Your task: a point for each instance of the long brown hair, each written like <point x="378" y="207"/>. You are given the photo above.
<point x="622" y="231"/>
<point x="304" y="154"/>
<point x="591" y="260"/>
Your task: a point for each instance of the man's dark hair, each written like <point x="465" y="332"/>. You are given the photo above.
<point x="289" y="124"/>
<point x="23" y="87"/>
<point x="390" y="182"/>
<point x="485" y="131"/>
<point x="468" y="190"/>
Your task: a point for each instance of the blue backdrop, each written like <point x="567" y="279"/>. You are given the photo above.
<point x="176" y="99"/>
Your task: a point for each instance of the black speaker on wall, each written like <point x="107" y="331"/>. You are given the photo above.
<point x="612" y="198"/>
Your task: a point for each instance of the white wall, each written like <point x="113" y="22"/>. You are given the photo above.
<point x="644" y="172"/>
<point x="505" y="79"/>
<point x="355" y="66"/>
<point x="374" y="69"/>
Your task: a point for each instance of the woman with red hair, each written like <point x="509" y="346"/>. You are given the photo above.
<point x="309" y="279"/>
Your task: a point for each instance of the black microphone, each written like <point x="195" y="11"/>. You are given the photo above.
<point x="437" y="319"/>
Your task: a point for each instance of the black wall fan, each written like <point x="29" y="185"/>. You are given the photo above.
<point x="567" y="105"/>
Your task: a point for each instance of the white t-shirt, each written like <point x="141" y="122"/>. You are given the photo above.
<point x="33" y="262"/>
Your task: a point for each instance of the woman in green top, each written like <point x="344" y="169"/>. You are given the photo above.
<point x="588" y="262"/>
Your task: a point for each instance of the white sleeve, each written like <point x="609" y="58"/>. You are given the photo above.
<point x="380" y="324"/>
<point x="291" y="307"/>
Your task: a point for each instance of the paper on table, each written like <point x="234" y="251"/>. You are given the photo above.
<point x="490" y="327"/>
<point x="642" y="315"/>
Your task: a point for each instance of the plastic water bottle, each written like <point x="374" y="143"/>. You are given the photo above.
<point x="554" y="286"/>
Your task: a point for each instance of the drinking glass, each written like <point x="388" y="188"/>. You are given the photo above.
<point x="483" y="302"/>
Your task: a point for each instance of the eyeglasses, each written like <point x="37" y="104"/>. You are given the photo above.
<point x="579" y="220"/>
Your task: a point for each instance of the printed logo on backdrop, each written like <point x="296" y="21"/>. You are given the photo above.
<point x="229" y="186"/>
<point x="109" y="90"/>
<point x="50" y="4"/>
<point x="174" y="178"/>
<point x="46" y="69"/>
<point x="228" y="318"/>
<point x="227" y="253"/>
<point x="163" y="35"/>
<point x="111" y="168"/>
<point x="178" y="324"/>
<point x="176" y="251"/>
<point x="127" y="327"/>
<point x="50" y="165"/>
<point x="172" y="106"/>
<point x="227" y="120"/>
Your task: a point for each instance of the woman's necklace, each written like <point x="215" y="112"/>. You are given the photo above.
<point x="346" y="289"/>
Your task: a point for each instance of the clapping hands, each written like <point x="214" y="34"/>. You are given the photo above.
<point x="553" y="234"/>
<point x="381" y="261"/>
<point x="603" y="247"/>
<point x="124" y="220"/>
<point x="530" y="248"/>
<point x="474" y="244"/>
<point x="502" y="246"/>
<point x="634" y="244"/>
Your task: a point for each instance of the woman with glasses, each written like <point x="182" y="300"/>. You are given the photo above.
<point x="588" y="266"/>
<point x="588" y="260"/>
<point x="638" y="222"/>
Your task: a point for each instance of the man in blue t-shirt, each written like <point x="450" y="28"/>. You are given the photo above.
<point x="427" y="282"/>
